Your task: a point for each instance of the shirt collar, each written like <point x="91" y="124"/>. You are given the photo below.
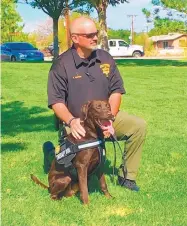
<point x="78" y="60"/>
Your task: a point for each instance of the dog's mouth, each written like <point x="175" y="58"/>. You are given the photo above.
<point x="106" y="125"/>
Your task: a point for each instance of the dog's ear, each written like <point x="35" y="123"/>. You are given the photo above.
<point x="84" y="110"/>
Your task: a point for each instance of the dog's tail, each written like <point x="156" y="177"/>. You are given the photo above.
<point x="37" y="181"/>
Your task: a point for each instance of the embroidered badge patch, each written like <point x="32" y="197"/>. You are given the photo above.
<point x="105" y="69"/>
<point x="77" y="76"/>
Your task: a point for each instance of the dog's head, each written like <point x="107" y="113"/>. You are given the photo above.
<point x="97" y="114"/>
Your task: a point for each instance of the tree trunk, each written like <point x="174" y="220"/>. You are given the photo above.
<point x="101" y="10"/>
<point x="67" y="21"/>
<point x="55" y="37"/>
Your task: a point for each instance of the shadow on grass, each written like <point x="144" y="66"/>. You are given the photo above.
<point x="150" y="62"/>
<point x="13" y="146"/>
<point x="19" y="119"/>
<point x="94" y="185"/>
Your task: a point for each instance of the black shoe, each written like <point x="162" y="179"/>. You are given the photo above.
<point x="129" y="184"/>
<point x="49" y="154"/>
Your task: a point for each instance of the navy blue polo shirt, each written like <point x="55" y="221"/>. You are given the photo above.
<point x="74" y="80"/>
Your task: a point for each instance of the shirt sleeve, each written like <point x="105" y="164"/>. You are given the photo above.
<point x="57" y="85"/>
<point x="115" y="80"/>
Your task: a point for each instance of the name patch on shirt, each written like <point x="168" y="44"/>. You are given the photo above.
<point x="77" y="76"/>
<point x="105" y="69"/>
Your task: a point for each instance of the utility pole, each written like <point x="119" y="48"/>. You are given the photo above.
<point x="147" y="28"/>
<point x="132" y="27"/>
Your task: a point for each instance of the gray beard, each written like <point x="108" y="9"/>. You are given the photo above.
<point x="94" y="48"/>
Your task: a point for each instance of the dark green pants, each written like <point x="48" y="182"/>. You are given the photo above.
<point x="132" y="130"/>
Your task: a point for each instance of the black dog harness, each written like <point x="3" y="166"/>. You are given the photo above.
<point x="68" y="151"/>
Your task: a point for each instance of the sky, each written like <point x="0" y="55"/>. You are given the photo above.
<point x="117" y="17"/>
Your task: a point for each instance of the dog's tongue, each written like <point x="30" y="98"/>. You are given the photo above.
<point x="107" y="126"/>
<point x="106" y="123"/>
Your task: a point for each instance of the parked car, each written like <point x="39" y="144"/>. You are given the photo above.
<point x="23" y="51"/>
<point x="5" y="55"/>
<point x="120" y="48"/>
<point x="50" y="48"/>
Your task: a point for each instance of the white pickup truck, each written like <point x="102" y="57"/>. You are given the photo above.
<point x="120" y="48"/>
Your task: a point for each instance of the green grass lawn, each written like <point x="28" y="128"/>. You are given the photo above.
<point x="156" y="91"/>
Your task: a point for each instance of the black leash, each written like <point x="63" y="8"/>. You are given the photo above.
<point x="114" y="164"/>
<point x="114" y="140"/>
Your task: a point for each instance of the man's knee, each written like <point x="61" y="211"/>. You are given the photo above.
<point x="127" y="125"/>
<point x="142" y="126"/>
<point x="139" y="126"/>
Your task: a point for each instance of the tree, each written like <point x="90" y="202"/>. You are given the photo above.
<point x="165" y="26"/>
<point x="64" y="43"/>
<point x="118" y="34"/>
<point x="147" y="14"/>
<point x="54" y="9"/>
<point x="143" y="39"/>
<point x="42" y="37"/>
<point x="11" y="22"/>
<point x="174" y="19"/>
<point x="179" y="5"/>
<point x="100" y="6"/>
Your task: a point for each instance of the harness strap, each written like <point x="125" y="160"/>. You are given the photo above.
<point x="90" y="144"/>
<point x="74" y="148"/>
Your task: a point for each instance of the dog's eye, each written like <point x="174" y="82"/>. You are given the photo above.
<point x="98" y="106"/>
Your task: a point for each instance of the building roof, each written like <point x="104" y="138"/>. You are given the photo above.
<point x="170" y="36"/>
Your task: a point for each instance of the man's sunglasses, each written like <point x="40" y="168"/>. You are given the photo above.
<point x="88" y="35"/>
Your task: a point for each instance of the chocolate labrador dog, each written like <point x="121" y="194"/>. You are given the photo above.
<point x="96" y="118"/>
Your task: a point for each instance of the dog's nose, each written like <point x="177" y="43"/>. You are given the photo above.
<point x="111" y="116"/>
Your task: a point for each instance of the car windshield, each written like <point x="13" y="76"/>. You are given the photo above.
<point x="20" y="46"/>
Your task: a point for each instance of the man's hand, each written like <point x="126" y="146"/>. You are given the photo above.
<point x="76" y="129"/>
